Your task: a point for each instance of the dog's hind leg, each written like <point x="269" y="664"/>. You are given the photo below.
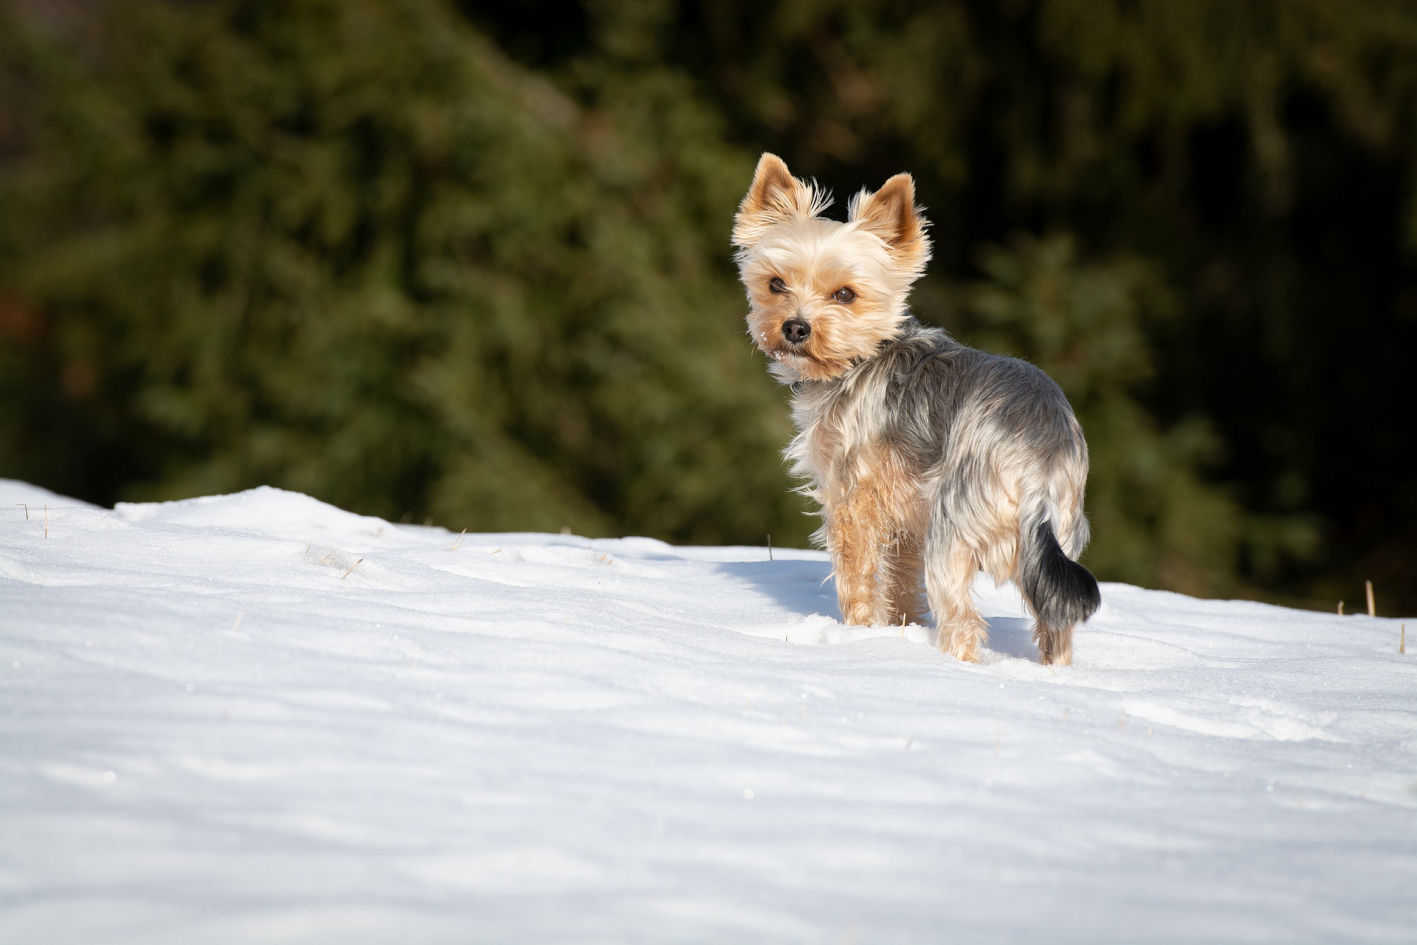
<point x="950" y="567"/>
<point x="1060" y="592"/>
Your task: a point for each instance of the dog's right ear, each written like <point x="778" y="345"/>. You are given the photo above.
<point x="774" y="197"/>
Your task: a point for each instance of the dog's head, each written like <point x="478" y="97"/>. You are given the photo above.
<point x="825" y="294"/>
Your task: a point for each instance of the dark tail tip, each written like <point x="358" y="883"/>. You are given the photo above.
<point x="1062" y="592"/>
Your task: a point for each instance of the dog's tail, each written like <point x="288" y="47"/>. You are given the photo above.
<point x="1060" y="592"/>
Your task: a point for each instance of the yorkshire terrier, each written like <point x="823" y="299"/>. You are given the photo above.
<point x="928" y="458"/>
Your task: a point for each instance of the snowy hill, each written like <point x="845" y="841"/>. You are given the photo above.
<point x="257" y="718"/>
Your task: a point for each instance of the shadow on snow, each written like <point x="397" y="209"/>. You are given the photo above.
<point x="805" y="588"/>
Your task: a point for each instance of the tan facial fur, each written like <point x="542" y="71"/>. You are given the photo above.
<point x="874" y="256"/>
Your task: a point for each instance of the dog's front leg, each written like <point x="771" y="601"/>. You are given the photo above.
<point x="901" y="579"/>
<point x="856" y="537"/>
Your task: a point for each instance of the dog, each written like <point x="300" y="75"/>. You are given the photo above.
<point x="929" y="459"/>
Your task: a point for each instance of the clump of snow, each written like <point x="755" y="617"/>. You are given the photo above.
<point x="257" y="718"/>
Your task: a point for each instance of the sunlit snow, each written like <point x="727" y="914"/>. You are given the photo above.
<point x="258" y="718"/>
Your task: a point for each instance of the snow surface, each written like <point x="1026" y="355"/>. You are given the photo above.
<point x="258" y="718"/>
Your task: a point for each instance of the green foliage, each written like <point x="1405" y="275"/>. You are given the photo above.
<point x="352" y="250"/>
<point x="471" y="264"/>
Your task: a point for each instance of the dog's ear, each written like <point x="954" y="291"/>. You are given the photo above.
<point x="774" y="197"/>
<point x="891" y="214"/>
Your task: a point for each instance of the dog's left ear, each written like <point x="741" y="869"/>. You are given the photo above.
<point x="891" y="214"/>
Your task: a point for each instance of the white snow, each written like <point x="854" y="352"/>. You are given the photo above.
<point x="258" y="718"/>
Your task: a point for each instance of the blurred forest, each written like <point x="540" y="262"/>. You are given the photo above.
<point x="468" y="263"/>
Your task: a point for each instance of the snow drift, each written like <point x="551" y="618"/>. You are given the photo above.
<point x="257" y="718"/>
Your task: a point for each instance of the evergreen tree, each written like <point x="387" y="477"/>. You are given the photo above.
<point x="470" y="263"/>
<point x="352" y="250"/>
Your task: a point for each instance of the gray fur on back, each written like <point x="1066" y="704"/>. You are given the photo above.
<point x="956" y="412"/>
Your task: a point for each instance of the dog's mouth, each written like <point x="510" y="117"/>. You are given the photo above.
<point x="792" y="363"/>
<point x="775" y="347"/>
<point x="780" y="349"/>
<point x="789" y="352"/>
<point x="796" y="360"/>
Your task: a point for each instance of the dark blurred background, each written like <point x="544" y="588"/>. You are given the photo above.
<point x="468" y="263"/>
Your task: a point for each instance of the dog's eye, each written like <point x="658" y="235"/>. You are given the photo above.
<point x="776" y="285"/>
<point x="844" y="295"/>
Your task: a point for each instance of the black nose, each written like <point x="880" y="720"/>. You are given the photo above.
<point x="796" y="330"/>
